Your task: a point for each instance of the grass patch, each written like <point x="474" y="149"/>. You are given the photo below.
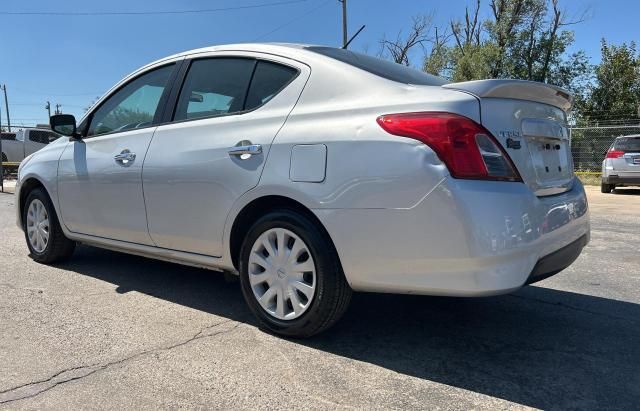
<point x="589" y="178"/>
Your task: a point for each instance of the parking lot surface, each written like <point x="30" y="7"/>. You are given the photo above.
<point x="109" y="330"/>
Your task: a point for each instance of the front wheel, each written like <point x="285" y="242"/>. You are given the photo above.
<point x="43" y="233"/>
<point x="290" y="275"/>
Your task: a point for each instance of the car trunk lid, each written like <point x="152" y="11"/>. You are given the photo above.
<point x="529" y="120"/>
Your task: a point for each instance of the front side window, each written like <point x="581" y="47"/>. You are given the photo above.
<point x="133" y="106"/>
<point x="214" y="87"/>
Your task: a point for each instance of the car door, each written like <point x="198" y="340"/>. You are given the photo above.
<point x="227" y="113"/>
<point x="100" y="175"/>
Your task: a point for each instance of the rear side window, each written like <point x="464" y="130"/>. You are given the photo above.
<point x="8" y="136"/>
<point x="382" y="68"/>
<point x="627" y="144"/>
<point x="268" y="79"/>
<point x="214" y="87"/>
<point x="133" y="106"/>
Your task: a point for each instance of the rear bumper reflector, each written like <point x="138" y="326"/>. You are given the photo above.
<point x="557" y="261"/>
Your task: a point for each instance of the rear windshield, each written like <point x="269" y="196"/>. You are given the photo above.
<point x="379" y="67"/>
<point x="8" y="136"/>
<point x="628" y="144"/>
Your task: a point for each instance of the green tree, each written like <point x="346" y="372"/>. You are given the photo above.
<point x="522" y="39"/>
<point x="616" y="94"/>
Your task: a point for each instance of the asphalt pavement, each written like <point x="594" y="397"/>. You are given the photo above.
<point x="112" y="331"/>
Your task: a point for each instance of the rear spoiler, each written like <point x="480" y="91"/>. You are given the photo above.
<point x="516" y="89"/>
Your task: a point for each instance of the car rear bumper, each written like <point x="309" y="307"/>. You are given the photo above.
<point x="622" y="180"/>
<point x="465" y="238"/>
<point x="557" y="261"/>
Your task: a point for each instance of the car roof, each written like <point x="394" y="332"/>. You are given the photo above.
<point x="283" y="49"/>
<point x="630" y="135"/>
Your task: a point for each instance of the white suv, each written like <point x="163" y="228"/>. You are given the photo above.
<point x="621" y="165"/>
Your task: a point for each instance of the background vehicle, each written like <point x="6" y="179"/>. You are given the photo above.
<point x="621" y="165"/>
<point x="311" y="172"/>
<point x="19" y="144"/>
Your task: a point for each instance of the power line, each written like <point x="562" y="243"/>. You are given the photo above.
<point x="45" y="93"/>
<point x="39" y="104"/>
<point x="146" y="13"/>
<point x="293" y="20"/>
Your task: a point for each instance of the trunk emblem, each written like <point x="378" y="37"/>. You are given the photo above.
<point x="510" y="134"/>
<point x="514" y="144"/>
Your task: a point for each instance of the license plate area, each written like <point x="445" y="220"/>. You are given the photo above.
<point x="635" y="160"/>
<point x="550" y="158"/>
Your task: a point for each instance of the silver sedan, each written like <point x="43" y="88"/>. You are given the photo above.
<point x="310" y="172"/>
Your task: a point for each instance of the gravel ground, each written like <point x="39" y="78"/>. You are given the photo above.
<point x="108" y="330"/>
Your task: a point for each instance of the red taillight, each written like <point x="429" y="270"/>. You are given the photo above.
<point x="614" y="154"/>
<point x="468" y="150"/>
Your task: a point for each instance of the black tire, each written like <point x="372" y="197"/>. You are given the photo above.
<point x="332" y="295"/>
<point x="59" y="247"/>
<point x="4" y="159"/>
<point x="605" y="188"/>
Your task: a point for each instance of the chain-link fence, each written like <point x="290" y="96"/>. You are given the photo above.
<point x="590" y="144"/>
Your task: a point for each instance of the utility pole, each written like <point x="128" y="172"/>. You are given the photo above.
<point x="6" y="106"/>
<point x="344" y="23"/>
<point x="58" y="111"/>
<point x="48" y="108"/>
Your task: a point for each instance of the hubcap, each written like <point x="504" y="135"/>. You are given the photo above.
<point x="38" y="225"/>
<point x="282" y="274"/>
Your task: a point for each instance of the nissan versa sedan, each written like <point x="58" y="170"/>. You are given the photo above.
<point x="621" y="166"/>
<point x="312" y="172"/>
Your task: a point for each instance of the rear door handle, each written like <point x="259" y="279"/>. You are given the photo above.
<point x="125" y="157"/>
<point x="249" y="149"/>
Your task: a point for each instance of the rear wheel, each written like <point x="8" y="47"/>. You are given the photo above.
<point x="290" y="275"/>
<point x="4" y="160"/>
<point x="606" y="188"/>
<point x="43" y="233"/>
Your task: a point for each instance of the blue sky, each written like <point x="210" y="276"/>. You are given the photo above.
<point x="72" y="59"/>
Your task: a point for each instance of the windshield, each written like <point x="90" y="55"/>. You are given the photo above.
<point x="628" y="144"/>
<point x="379" y="67"/>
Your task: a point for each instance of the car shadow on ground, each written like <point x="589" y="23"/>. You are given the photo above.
<point x="538" y="347"/>
<point x="626" y="191"/>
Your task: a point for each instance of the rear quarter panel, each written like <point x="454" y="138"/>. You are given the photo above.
<point x="366" y="167"/>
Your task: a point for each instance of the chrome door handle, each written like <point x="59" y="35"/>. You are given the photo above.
<point x="125" y="157"/>
<point x="250" y="149"/>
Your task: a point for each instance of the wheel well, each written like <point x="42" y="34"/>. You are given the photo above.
<point x="257" y="208"/>
<point x="28" y="186"/>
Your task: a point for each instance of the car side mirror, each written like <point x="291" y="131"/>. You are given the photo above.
<point x="64" y="124"/>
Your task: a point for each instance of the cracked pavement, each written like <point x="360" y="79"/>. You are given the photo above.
<point x="109" y="330"/>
